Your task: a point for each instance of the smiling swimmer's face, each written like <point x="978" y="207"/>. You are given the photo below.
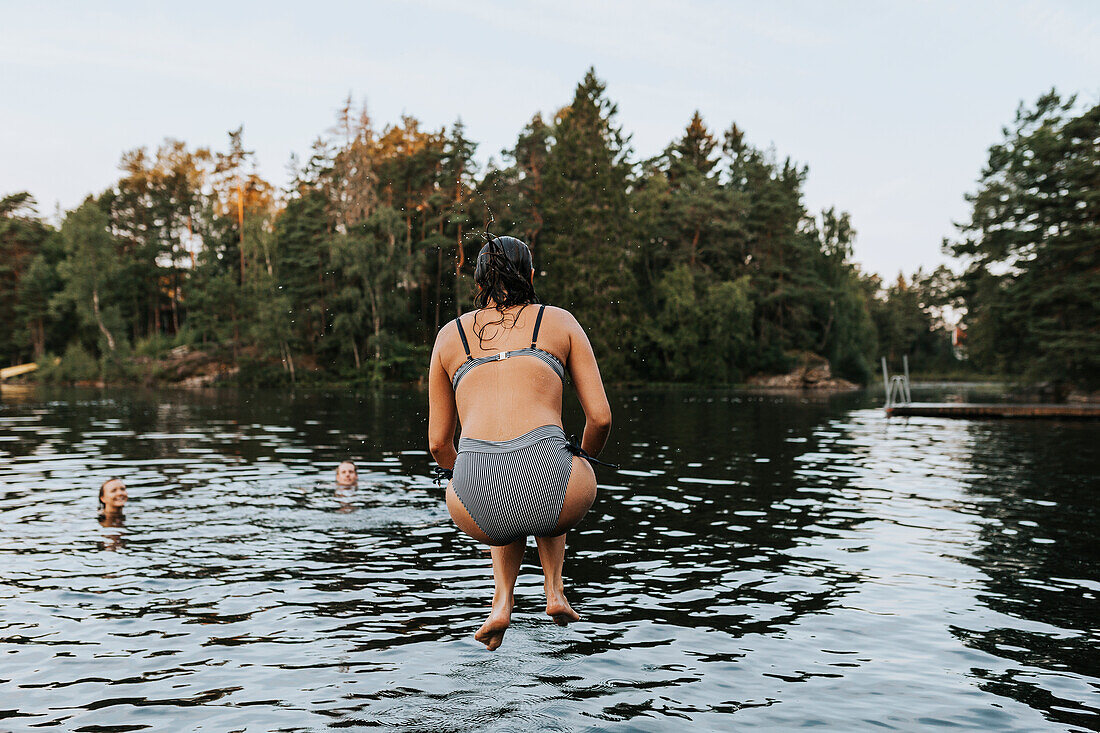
<point x="113" y="495"/>
<point x="346" y="475"/>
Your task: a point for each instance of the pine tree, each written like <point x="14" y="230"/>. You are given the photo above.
<point x="90" y="271"/>
<point x="22" y="238"/>
<point x="585" y="246"/>
<point x="1031" y="248"/>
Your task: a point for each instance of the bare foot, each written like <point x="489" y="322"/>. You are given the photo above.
<point x="491" y="633"/>
<point x="558" y="608"/>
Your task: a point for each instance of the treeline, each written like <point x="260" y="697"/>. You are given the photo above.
<point x="699" y="265"/>
<point x="1031" y="284"/>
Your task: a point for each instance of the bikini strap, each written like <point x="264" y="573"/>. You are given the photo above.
<point x="538" y="322"/>
<point x="465" y="343"/>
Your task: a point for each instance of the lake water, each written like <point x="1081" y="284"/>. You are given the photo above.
<point x="757" y="562"/>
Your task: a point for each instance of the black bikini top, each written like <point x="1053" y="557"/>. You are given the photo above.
<point x="544" y="356"/>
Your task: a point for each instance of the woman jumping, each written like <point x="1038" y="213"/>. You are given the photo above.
<point x="500" y="371"/>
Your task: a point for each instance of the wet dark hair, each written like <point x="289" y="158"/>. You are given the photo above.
<point x="503" y="275"/>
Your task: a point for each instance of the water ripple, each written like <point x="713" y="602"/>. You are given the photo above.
<point x="758" y="561"/>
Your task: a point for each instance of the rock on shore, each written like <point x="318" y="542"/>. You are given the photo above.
<point x="189" y="367"/>
<point x="812" y="373"/>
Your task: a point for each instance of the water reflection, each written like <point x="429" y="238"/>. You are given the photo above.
<point x="112" y="540"/>
<point x="706" y="528"/>
<point x="760" y="561"/>
<point x="1034" y="485"/>
<point x="345" y="495"/>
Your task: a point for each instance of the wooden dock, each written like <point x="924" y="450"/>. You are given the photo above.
<point x="981" y="410"/>
<point x="17" y="371"/>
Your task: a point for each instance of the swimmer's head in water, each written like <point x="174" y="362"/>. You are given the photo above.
<point x="112" y="496"/>
<point x="346" y="474"/>
<point x="503" y="274"/>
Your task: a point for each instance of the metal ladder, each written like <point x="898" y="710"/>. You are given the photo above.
<point x="897" y="387"/>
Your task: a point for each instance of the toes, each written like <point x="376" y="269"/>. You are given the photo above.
<point x="564" y="618"/>
<point x="558" y="608"/>
<point x="492" y="631"/>
<point x="491" y="638"/>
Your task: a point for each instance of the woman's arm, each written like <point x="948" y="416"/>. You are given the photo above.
<point x="442" y="411"/>
<point x="589" y="385"/>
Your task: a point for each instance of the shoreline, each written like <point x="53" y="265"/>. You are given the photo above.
<point x="23" y="387"/>
<point x="186" y="385"/>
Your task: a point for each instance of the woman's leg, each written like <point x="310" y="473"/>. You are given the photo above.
<point x="552" y="557"/>
<point x="506" y="562"/>
<point x="580" y="492"/>
<point x="579" y="495"/>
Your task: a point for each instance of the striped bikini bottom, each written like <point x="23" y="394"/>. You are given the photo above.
<point x="514" y="488"/>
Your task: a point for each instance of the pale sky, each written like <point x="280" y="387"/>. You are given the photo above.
<point x="891" y="104"/>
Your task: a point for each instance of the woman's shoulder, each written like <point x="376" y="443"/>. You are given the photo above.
<point x="447" y="332"/>
<point x="464" y="323"/>
<point x="561" y="316"/>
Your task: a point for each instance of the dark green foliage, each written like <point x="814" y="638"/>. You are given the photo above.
<point x="1032" y="248"/>
<point x="586" y="218"/>
<point x="700" y="329"/>
<point x="302" y="267"/>
<point x="28" y="279"/>
<point x="76" y="365"/>
<point x="92" y="273"/>
<point x="735" y="277"/>
<point x="908" y="319"/>
<point x="699" y="265"/>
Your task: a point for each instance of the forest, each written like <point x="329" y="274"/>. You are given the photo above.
<point x="699" y="265"/>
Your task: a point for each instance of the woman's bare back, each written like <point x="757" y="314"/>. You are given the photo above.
<point x="502" y="399"/>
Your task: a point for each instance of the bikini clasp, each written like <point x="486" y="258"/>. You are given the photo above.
<point x="574" y="446"/>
